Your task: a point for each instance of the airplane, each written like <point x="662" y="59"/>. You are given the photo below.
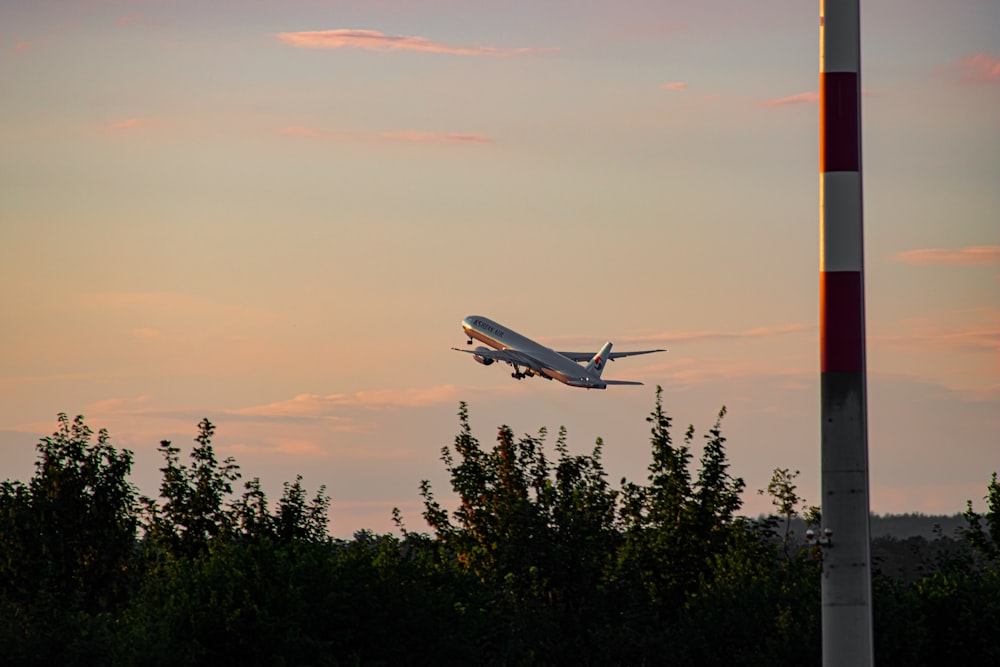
<point x="536" y="359"/>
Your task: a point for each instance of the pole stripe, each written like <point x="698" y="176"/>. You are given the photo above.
<point x="841" y="323"/>
<point x="840" y="230"/>
<point x="839" y="36"/>
<point x="840" y="137"/>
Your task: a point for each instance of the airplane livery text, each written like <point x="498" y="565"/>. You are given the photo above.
<point x="490" y="327"/>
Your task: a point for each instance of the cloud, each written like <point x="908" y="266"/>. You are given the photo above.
<point x="809" y="97"/>
<point x="20" y="47"/>
<point x="131" y="123"/>
<point x="371" y="40"/>
<point x="116" y="405"/>
<point x="674" y="85"/>
<point x="316" y="406"/>
<point x="969" y="256"/>
<point x="309" y="406"/>
<point x="985" y="338"/>
<point x="580" y="343"/>
<point x="689" y="371"/>
<point x="437" y="137"/>
<point x="974" y="329"/>
<point x="146" y="332"/>
<point x="688" y="336"/>
<point x="150" y="316"/>
<point x="979" y="68"/>
<point x="127" y="21"/>
<point x="403" y="136"/>
<point x="285" y="447"/>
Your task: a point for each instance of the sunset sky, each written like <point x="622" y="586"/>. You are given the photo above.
<point x="275" y="214"/>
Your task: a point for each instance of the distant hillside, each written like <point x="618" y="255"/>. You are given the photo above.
<point x="908" y="547"/>
<point x="904" y="526"/>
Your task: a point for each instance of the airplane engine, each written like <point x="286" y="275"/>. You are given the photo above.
<point x="485" y="361"/>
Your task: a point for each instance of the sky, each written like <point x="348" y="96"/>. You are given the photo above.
<point x="275" y="214"/>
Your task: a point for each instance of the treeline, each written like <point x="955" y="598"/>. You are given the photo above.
<point x="543" y="562"/>
<point x="904" y="526"/>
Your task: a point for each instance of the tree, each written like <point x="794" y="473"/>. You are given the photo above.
<point x="231" y="581"/>
<point x="296" y="519"/>
<point x="194" y="510"/>
<point x="71" y="529"/>
<point x="674" y="527"/>
<point x="985" y="539"/>
<point x="542" y="537"/>
<point x="67" y="541"/>
<point x="782" y="490"/>
<point x="716" y="493"/>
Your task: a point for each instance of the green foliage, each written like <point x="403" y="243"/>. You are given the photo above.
<point x="376" y="599"/>
<point x="67" y="545"/>
<point x="985" y="539"/>
<point x="784" y="497"/>
<point x="193" y="511"/>
<point x="674" y="529"/>
<point x="541" y="561"/>
<point x="296" y="520"/>
<point x="534" y="528"/>
<point x="541" y="534"/>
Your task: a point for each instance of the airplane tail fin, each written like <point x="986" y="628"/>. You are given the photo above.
<point x="596" y="365"/>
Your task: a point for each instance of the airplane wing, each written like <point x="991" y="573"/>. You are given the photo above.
<point x="587" y="356"/>
<point x="507" y="356"/>
<point x="599" y="384"/>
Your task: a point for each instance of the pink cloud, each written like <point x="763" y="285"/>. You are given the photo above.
<point x="674" y="85"/>
<point x="409" y="398"/>
<point x="970" y="256"/>
<point x="981" y="339"/>
<point x="689" y="336"/>
<point x="303" y="405"/>
<point x="974" y="329"/>
<point x="333" y="406"/>
<point x="405" y="136"/>
<point x="798" y="98"/>
<point x="127" y="21"/>
<point x="146" y="332"/>
<point x="21" y="47"/>
<point x="689" y="372"/>
<point x="437" y="137"/>
<point x="284" y="447"/>
<point x="131" y="123"/>
<point x="116" y="405"/>
<point x="371" y="40"/>
<point x="980" y="68"/>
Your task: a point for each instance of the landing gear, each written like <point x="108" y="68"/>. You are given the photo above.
<point x="468" y="342"/>
<point x="517" y="374"/>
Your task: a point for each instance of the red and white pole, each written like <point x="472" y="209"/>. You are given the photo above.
<point x="846" y="583"/>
